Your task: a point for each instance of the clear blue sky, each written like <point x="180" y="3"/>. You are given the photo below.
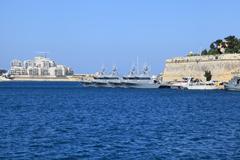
<point x="86" y="34"/>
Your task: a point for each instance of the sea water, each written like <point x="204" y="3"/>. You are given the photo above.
<point x="43" y="120"/>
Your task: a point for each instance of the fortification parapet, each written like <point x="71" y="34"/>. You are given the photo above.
<point x="222" y="67"/>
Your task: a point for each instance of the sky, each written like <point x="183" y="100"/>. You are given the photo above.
<point x="87" y="34"/>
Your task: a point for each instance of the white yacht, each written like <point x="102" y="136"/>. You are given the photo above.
<point x="87" y="83"/>
<point x="107" y="80"/>
<point x="132" y="80"/>
<point x="233" y="84"/>
<point x="136" y="80"/>
<point x="202" y="86"/>
<point x="5" y="77"/>
<point x="191" y="84"/>
<point x="114" y="80"/>
<point x="181" y="84"/>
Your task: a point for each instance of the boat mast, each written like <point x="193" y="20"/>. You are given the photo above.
<point x="137" y="66"/>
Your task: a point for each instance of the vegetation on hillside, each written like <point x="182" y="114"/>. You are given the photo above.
<point x="230" y="44"/>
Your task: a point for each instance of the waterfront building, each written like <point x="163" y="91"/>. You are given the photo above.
<point x="40" y="66"/>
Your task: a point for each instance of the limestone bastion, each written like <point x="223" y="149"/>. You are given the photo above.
<point x="223" y="67"/>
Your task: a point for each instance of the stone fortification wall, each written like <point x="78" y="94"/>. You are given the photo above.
<point x="222" y="67"/>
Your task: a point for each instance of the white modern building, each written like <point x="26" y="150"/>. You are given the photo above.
<point x="40" y="66"/>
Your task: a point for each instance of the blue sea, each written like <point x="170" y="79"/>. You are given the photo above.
<point x="43" y="120"/>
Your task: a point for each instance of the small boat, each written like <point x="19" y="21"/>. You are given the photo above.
<point x="202" y="86"/>
<point x="194" y="84"/>
<point x="233" y="84"/>
<point x="181" y="84"/>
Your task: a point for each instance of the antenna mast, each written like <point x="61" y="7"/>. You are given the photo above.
<point x="137" y="66"/>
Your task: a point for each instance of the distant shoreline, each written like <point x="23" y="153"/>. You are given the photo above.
<point x="40" y="80"/>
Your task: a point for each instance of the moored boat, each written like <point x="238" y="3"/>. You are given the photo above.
<point x="181" y="84"/>
<point x="233" y="84"/>
<point x="202" y="86"/>
<point x="87" y="83"/>
<point x="136" y="80"/>
<point x="194" y="84"/>
<point x="132" y="80"/>
<point x="102" y="79"/>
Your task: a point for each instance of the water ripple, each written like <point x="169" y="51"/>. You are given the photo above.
<point x="66" y="121"/>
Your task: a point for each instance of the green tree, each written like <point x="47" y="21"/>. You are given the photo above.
<point x="218" y="42"/>
<point x="233" y="44"/>
<point x="212" y="46"/>
<point x="230" y="38"/>
<point x="208" y="75"/>
<point x="204" y="52"/>
<point x="213" y="52"/>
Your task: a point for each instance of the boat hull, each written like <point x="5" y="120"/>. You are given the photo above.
<point x="232" y="88"/>
<point x="194" y="86"/>
<point x="87" y="84"/>
<point x="101" y="84"/>
<point x="121" y="85"/>
<point x="201" y="87"/>
<point x="140" y="85"/>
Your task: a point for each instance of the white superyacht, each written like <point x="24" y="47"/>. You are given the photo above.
<point x="102" y="79"/>
<point x="136" y="80"/>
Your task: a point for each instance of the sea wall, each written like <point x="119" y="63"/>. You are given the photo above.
<point x="223" y="67"/>
<point x="73" y="78"/>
